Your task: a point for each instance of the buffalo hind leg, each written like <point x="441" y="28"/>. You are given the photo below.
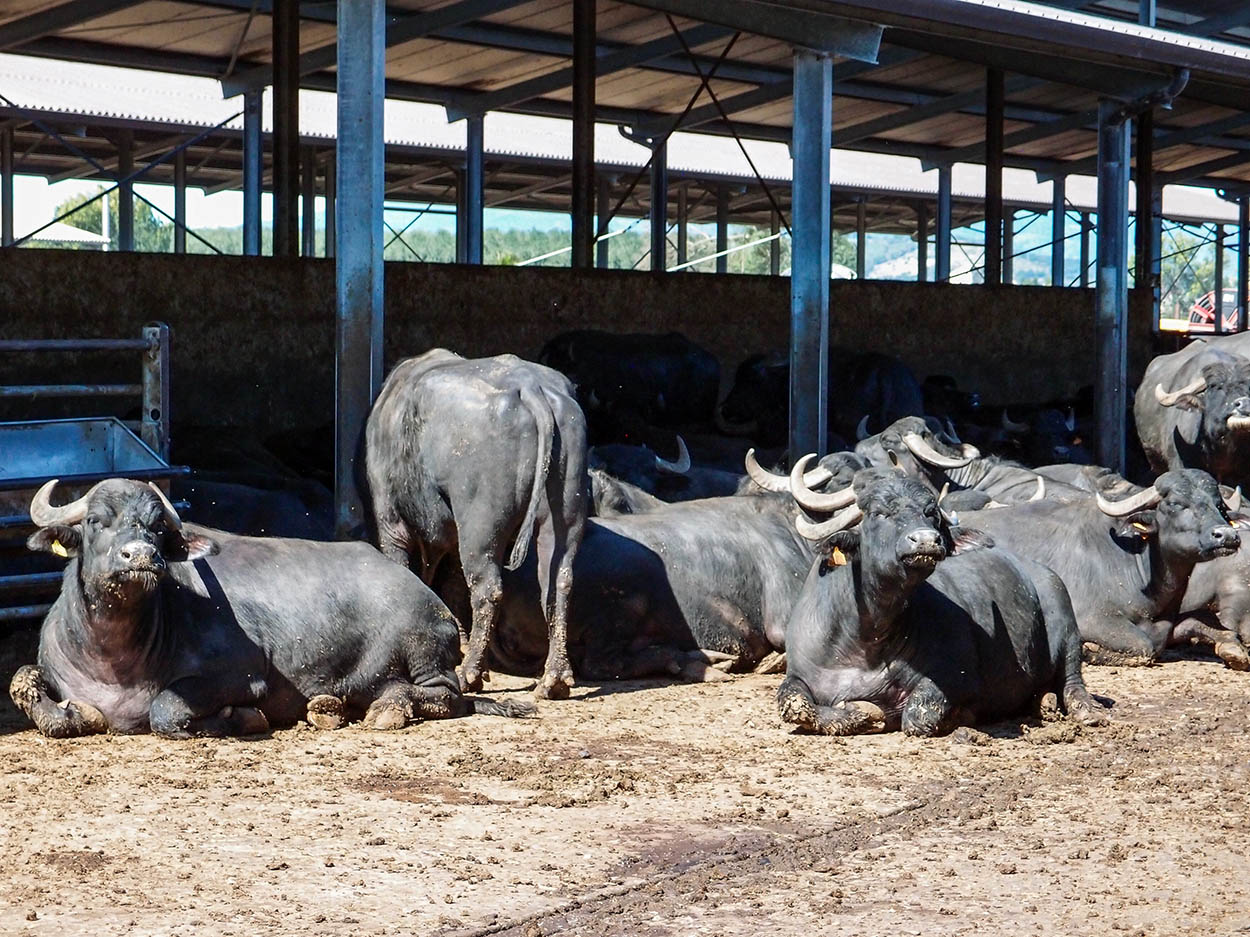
<point x="401" y="703"/>
<point x="1227" y="645"/>
<point x="854" y="717"/>
<point x="194" y="706"/>
<point x="31" y="694"/>
<point x="485" y="591"/>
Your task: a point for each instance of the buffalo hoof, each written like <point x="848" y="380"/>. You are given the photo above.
<point x="326" y="712"/>
<point x="387" y="715"/>
<point x="89" y="718"/>
<point x="1095" y="654"/>
<point x="1048" y="708"/>
<point x="471" y="679"/>
<point x="553" y="688"/>
<point x="245" y="720"/>
<point x="1233" y="653"/>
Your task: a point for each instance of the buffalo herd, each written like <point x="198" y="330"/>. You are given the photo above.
<point x="612" y="512"/>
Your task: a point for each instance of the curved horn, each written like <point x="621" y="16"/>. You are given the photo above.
<point x="767" y="480"/>
<point x="1012" y="426"/>
<point x="970" y="451"/>
<point x="950" y="432"/>
<point x="1040" y="494"/>
<point x="1143" y="499"/>
<point x="811" y="500"/>
<point x="946" y="489"/>
<point x="170" y="514"/>
<point x="1167" y="399"/>
<point x="43" y="514"/>
<point x="840" y="521"/>
<point x="861" y="429"/>
<point x="681" y="466"/>
<point x="1070" y="420"/>
<point x="926" y="453"/>
<point x="1233" y="501"/>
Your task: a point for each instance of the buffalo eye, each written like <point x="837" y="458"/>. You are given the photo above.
<point x="94" y="520"/>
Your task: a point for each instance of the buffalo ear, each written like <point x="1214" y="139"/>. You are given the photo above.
<point x="1188" y="402"/>
<point x="60" y="540"/>
<point x="1139" y="526"/>
<point x="840" y="548"/>
<point x="186" y="546"/>
<point x="968" y="539"/>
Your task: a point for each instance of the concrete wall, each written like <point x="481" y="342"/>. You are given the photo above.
<point x="253" y="339"/>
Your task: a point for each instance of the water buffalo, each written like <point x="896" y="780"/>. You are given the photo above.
<point x="864" y="389"/>
<point x="898" y="625"/>
<point x="678" y="480"/>
<point x="1126" y="563"/>
<point x="482" y="457"/>
<point x="627" y="381"/>
<point x="185" y="631"/>
<point x="1192" y="410"/>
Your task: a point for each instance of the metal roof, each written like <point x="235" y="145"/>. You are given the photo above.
<point x="923" y="99"/>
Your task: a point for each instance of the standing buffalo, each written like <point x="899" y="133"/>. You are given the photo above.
<point x="188" y="631"/>
<point x="482" y="457"/>
<point x="1193" y="411"/>
<point x="899" y="626"/>
<point x="1126" y="563"/>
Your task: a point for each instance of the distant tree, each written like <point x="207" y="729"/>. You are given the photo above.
<point x="151" y="233"/>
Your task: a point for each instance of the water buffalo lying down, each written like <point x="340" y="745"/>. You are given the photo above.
<point x="967" y="480"/>
<point x="187" y="631"/>
<point x="678" y="480"/>
<point x="678" y="588"/>
<point x="485" y="459"/>
<point x="901" y="624"/>
<point x="1127" y="563"/>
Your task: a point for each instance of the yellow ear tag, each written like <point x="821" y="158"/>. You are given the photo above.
<point x="1142" y="527"/>
<point x="58" y="549"/>
<point x="837" y="557"/>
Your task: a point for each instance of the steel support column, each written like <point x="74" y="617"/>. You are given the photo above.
<point x="583" y="133"/>
<point x="1148" y="214"/>
<point x="605" y="207"/>
<point x="812" y="138"/>
<point x="774" y="246"/>
<point x="683" y="223"/>
<point x="1009" y="244"/>
<point x="1243" y="259"/>
<point x="308" y="202"/>
<point x="1218" y="277"/>
<point x="286" y="127"/>
<point x="126" y="191"/>
<point x="994" y="103"/>
<point x="358" y="268"/>
<point x="1058" y="230"/>
<point x="253" y="171"/>
<point x="659" y="206"/>
<point x="1111" y="303"/>
<point x="474" y="189"/>
<point x="180" y="202"/>
<point x="722" y="227"/>
<point x="861" y="236"/>
<point x="1085" y="229"/>
<point x="942" y="237"/>
<point x="331" y="184"/>
<point x="6" y="187"/>
<point x="922" y="241"/>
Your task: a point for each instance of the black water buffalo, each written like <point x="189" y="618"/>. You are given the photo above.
<point x="1044" y="435"/>
<point x="1192" y="410"/>
<point x="1126" y="563"/>
<point x="963" y="478"/>
<point x="682" y="586"/>
<point x="865" y="390"/>
<point x="898" y="626"/>
<point x="184" y="630"/>
<point x="678" y="480"/>
<point x="482" y="457"/>
<point x="612" y="497"/>
<point x="627" y="381"/>
<point x="294" y="508"/>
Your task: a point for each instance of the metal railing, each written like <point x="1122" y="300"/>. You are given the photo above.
<point x="153" y="389"/>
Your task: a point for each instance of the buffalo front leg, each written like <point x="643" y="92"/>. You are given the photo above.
<point x="485" y="593"/>
<point x="1117" y="641"/>
<point x="852" y="717"/>
<point x="928" y="711"/>
<point x="31" y="694"/>
<point x="1227" y="645"/>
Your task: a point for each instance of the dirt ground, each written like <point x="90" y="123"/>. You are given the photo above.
<point x="644" y="809"/>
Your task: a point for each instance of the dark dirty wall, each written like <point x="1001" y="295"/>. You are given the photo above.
<point x="253" y="339"/>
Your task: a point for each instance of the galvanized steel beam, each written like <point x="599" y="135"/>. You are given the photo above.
<point x="861" y="236"/>
<point x="922" y="241"/>
<point x="6" y="187"/>
<point x="1111" y="303"/>
<point x="308" y="202"/>
<point x="55" y="19"/>
<point x="659" y="206"/>
<point x="942" y="237"/>
<point x="1243" y="259"/>
<point x="995" y="91"/>
<point x="722" y="228"/>
<point x="601" y="223"/>
<point x="125" y="191"/>
<point x="1058" y="231"/>
<point x="285" y="47"/>
<point x="583" y="194"/>
<point x="810" y="256"/>
<point x="474" y="190"/>
<point x="358" y="266"/>
<point x="253" y="172"/>
<point x="180" y="202"/>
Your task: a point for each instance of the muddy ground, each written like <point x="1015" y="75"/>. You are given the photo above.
<point x="644" y="809"/>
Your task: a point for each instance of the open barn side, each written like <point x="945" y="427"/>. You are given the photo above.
<point x="253" y="338"/>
